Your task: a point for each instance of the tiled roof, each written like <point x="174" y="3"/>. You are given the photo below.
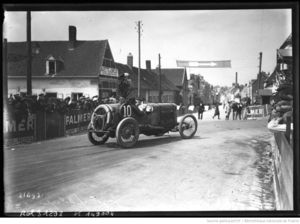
<point x="175" y="75"/>
<point x="84" y="60"/>
<point x="149" y="79"/>
<point x="287" y="42"/>
<point x="271" y="79"/>
<point x="167" y="84"/>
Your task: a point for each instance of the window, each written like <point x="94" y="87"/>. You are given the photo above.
<point x="167" y="98"/>
<point x="108" y="63"/>
<point x="153" y="99"/>
<point x="51" y="94"/>
<point x="105" y="84"/>
<point x="109" y="84"/>
<point x="51" y="66"/>
<point x="76" y="96"/>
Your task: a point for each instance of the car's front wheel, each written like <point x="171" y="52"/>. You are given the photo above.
<point x="188" y="126"/>
<point x="127" y="132"/>
<point x="97" y="138"/>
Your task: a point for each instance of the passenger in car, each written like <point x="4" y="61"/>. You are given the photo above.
<point x="135" y="106"/>
<point x="140" y="104"/>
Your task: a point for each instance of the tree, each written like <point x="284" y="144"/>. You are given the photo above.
<point x="207" y="93"/>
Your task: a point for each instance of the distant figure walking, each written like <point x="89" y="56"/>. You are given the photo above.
<point x="239" y="111"/>
<point x="234" y="108"/>
<point x="217" y="112"/>
<point x="227" y="110"/>
<point x="200" y="111"/>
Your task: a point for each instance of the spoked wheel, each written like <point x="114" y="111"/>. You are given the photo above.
<point x="97" y="138"/>
<point x="188" y="126"/>
<point x="127" y="132"/>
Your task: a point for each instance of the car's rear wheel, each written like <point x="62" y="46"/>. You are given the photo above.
<point x="97" y="138"/>
<point x="188" y="126"/>
<point x="127" y="132"/>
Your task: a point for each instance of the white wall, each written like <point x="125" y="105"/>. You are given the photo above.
<point x="63" y="87"/>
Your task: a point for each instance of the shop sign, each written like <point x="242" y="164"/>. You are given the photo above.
<point x="76" y="121"/>
<point x="20" y="131"/>
<point x="77" y="118"/>
<point x="109" y="71"/>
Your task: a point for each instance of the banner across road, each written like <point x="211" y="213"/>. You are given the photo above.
<point x="204" y="64"/>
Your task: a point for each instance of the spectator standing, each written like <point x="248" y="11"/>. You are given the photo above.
<point x="227" y="110"/>
<point x="181" y="109"/>
<point x="234" y="107"/>
<point x="200" y="111"/>
<point x="217" y="112"/>
<point x="239" y="111"/>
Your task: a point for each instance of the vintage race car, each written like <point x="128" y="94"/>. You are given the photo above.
<point x="126" y="121"/>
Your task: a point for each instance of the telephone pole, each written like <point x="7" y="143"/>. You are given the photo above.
<point x="259" y="71"/>
<point x="139" y="24"/>
<point x="159" y="71"/>
<point x="29" y="86"/>
<point x="4" y="63"/>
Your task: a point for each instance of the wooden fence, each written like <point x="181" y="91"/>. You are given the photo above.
<point x="44" y="125"/>
<point x="283" y="171"/>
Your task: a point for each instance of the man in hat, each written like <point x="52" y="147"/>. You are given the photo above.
<point x="200" y="110"/>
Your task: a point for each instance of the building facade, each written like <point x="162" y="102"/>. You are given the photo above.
<point x="283" y="68"/>
<point x="63" y="69"/>
<point x="178" y="77"/>
<point x="149" y="83"/>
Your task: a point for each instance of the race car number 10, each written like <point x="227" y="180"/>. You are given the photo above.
<point x="127" y="110"/>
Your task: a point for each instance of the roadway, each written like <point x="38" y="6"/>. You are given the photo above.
<point x="226" y="166"/>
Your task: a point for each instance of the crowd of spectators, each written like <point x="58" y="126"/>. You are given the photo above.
<point x="21" y="106"/>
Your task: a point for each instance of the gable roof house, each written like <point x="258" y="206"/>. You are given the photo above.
<point x="149" y="83"/>
<point x="284" y="63"/>
<point x="63" y="68"/>
<point x="282" y="71"/>
<point x="178" y="76"/>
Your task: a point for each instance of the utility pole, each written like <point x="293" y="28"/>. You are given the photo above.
<point x="159" y="71"/>
<point x="4" y="61"/>
<point x="139" y="24"/>
<point x="259" y="71"/>
<point x="236" y="79"/>
<point x="29" y="86"/>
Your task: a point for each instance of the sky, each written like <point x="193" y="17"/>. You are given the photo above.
<point x="196" y="35"/>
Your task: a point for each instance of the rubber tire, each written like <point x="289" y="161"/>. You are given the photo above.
<point x="94" y="141"/>
<point x="121" y="125"/>
<point x="181" y="123"/>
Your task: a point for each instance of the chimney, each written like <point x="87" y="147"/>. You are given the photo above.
<point x="148" y="65"/>
<point x="130" y="60"/>
<point x="72" y="37"/>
